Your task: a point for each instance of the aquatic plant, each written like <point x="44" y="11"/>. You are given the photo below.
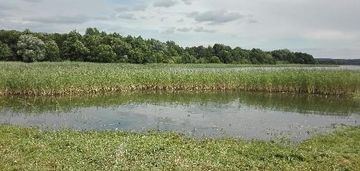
<point x="89" y="78"/>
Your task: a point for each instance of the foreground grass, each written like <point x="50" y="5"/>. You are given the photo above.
<point x="88" y="78"/>
<point x="31" y="149"/>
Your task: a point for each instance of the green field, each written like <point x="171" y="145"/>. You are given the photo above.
<point x="88" y="78"/>
<point x="31" y="149"/>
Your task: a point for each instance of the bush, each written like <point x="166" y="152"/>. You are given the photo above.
<point x="104" y="53"/>
<point x="214" y="59"/>
<point x="52" y="51"/>
<point x="31" y="48"/>
<point x="73" y="49"/>
<point x="5" y="52"/>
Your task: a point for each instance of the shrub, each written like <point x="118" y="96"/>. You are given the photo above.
<point x="52" y="51"/>
<point x="5" y="51"/>
<point x="31" y="48"/>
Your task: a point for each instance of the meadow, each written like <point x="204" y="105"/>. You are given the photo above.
<point x="69" y="78"/>
<point x="32" y="149"/>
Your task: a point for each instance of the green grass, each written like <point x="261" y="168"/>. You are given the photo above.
<point x="32" y="149"/>
<point x="88" y="78"/>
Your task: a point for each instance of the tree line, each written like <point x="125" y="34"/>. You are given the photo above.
<point x="96" y="46"/>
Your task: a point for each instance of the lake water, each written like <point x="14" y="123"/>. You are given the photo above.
<point x="222" y="114"/>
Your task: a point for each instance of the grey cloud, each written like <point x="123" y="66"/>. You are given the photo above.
<point x="216" y="17"/>
<point x="33" y="1"/>
<point x="252" y="21"/>
<point x="133" y="9"/>
<point x="188" y="2"/>
<point x="59" y="19"/>
<point x="6" y="7"/>
<point x="202" y="29"/>
<point x="170" y="30"/>
<point x="197" y="29"/>
<point x="128" y="16"/>
<point x="184" y="29"/>
<point x="165" y="3"/>
<point x="180" y="20"/>
<point x="122" y="9"/>
<point x="102" y="18"/>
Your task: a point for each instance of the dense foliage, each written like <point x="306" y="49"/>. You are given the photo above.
<point x="96" y="46"/>
<point x="31" y="48"/>
<point x="5" y="51"/>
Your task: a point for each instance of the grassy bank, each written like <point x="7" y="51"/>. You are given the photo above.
<point x="31" y="149"/>
<point x="87" y="78"/>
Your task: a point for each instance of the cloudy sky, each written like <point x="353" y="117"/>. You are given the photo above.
<point x="324" y="28"/>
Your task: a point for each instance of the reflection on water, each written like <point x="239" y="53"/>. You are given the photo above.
<point x="221" y="114"/>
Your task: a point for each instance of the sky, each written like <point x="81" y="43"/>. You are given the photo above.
<point x="323" y="28"/>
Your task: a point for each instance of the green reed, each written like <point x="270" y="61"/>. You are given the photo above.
<point x="88" y="78"/>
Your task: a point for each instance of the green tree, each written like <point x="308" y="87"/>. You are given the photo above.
<point x="214" y="59"/>
<point x="187" y="58"/>
<point x="11" y="37"/>
<point x="52" y="51"/>
<point x="257" y="56"/>
<point x="121" y="48"/>
<point x="31" y="48"/>
<point x="104" y="53"/>
<point x="92" y="42"/>
<point x="283" y="55"/>
<point x="73" y="49"/>
<point x="92" y="31"/>
<point x="136" y="56"/>
<point x="5" y="52"/>
<point x="304" y="58"/>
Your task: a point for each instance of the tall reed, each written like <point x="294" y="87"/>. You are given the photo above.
<point x="88" y="78"/>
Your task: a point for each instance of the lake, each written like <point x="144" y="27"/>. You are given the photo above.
<point x="242" y="115"/>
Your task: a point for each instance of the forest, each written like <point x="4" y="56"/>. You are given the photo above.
<point x="102" y="47"/>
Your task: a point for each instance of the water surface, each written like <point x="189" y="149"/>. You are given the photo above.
<point x="222" y="114"/>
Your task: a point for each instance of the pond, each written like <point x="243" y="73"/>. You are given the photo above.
<point x="242" y="115"/>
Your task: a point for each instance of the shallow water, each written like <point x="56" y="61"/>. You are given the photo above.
<point x="222" y="114"/>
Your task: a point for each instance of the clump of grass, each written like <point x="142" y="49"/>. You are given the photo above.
<point x="31" y="149"/>
<point x="87" y="78"/>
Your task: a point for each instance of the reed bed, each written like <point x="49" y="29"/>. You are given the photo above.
<point x="88" y="78"/>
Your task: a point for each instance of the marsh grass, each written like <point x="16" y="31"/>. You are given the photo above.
<point x="32" y="149"/>
<point x="88" y="78"/>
